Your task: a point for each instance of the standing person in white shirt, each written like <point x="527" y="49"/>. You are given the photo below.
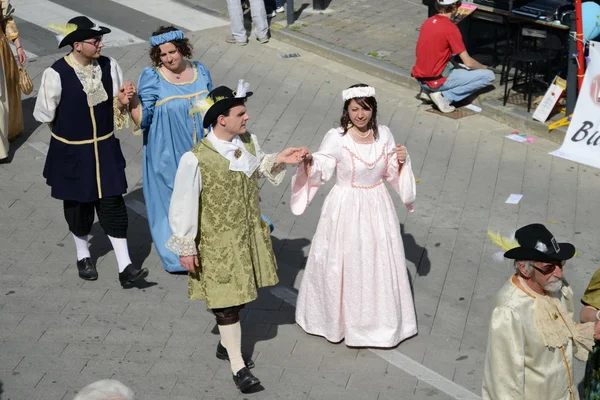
<point x="215" y="217"/>
<point x="83" y="98"/>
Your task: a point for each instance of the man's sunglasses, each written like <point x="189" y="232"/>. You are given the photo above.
<point x="94" y="42"/>
<point x="550" y="267"/>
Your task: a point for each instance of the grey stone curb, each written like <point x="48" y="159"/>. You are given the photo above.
<point x="492" y="108"/>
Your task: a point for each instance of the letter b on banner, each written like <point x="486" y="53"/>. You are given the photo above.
<point x="582" y="140"/>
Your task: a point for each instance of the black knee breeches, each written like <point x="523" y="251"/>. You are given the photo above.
<point x="227" y="316"/>
<point x="112" y="215"/>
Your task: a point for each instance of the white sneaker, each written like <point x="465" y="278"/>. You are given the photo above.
<point x="272" y="15"/>
<point x="424" y="97"/>
<point x="280" y="9"/>
<point x="441" y="102"/>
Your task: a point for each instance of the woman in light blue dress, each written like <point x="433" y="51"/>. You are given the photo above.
<point x="166" y="94"/>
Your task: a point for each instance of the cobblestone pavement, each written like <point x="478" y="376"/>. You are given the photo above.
<point x="386" y="29"/>
<point x="59" y="333"/>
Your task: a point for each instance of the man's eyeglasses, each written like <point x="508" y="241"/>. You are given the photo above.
<point x="549" y="268"/>
<point x="94" y="42"/>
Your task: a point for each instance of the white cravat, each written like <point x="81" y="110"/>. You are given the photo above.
<point x="246" y="162"/>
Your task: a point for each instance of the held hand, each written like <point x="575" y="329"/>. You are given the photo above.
<point x="597" y="330"/>
<point x="21" y="55"/>
<point x="190" y="263"/>
<point x="401" y="153"/>
<point x="308" y="162"/>
<point x="123" y="97"/>
<point x="292" y="155"/>
<point x="126" y="92"/>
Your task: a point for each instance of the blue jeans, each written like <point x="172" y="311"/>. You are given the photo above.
<point x="462" y="83"/>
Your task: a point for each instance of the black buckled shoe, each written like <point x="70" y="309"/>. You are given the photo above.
<point x="244" y="379"/>
<point x="222" y="355"/>
<point x="132" y="274"/>
<point x="87" y="269"/>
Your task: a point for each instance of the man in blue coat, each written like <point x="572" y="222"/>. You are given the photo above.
<point x="82" y="97"/>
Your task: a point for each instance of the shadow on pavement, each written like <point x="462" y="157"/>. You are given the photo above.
<point x="415" y="254"/>
<point x="30" y="125"/>
<point x="138" y="239"/>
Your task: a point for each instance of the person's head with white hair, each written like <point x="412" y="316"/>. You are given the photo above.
<point x="106" y="389"/>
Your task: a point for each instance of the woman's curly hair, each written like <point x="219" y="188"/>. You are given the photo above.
<point x="183" y="46"/>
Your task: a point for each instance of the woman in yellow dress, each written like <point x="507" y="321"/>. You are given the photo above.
<point x="11" y="110"/>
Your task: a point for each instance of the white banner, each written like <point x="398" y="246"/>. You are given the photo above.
<point x="582" y="141"/>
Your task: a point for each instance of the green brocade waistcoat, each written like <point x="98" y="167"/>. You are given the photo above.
<point x="235" y="250"/>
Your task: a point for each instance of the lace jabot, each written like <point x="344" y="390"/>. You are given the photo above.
<point x="90" y="77"/>
<point x="556" y="325"/>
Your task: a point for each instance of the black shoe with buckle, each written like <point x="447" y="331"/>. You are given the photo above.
<point x="244" y="379"/>
<point x="132" y="274"/>
<point x="222" y="355"/>
<point x="87" y="269"/>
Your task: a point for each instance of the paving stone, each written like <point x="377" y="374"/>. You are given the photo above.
<point x="151" y="353"/>
<point x="20" y="379"/>
<point x="8" y="320"/>
<point x="30" y="348"/>
<point x="16" y="393"/>
<point x="74" y="335"/>
<point x="58" y="364"/>
<point x="116" y="322"/>
<point x="328" y="393"/>
<point x="137" y="338"/>
<point x="199" y="370"/>
<point x="143" y="385"/>
<point x="97" y="308"/>
<point x="22" y="333"/>
<point x="95" y="351"/>
<point x="52" y="319"/>
<point x="205" y="387"/>
<point x="367" y="382"/>
<point x="183" y="325"/>
<point x="315" y="378"/>
<point x="72" y="381"/>
<point x="117" y="366"/>
<point x="9" y="362"/>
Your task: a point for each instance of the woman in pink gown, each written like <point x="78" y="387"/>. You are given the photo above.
<point x="355" y="285"/>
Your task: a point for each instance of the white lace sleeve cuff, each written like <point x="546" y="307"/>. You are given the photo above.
<point x="121" y="116"/>
<point x="275" y="176"/>
<point x="182" y="246"/>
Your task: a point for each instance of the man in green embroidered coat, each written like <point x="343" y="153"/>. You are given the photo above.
<point x="218" y="231"/>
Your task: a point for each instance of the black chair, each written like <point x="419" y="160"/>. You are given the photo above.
<point x="527" y="59"/>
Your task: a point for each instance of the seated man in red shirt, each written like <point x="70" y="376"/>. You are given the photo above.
<point x="439" y="40"/>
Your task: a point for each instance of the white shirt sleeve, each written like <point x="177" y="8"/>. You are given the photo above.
<point x="48" y="97"/>
<point x="117" y="76"/>
<point x="185" y="202"/>
<point x="267" y="161"/>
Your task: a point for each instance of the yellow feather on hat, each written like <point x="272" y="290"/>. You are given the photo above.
<point x="63" y="29"/>
<point x="504" y="243"/>
<point x="202" y="106"/>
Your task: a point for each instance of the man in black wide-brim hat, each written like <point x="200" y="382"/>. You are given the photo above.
<point x="532" y="336"/>
<point x="83" y="97"/>
<point x="218" y="231"/>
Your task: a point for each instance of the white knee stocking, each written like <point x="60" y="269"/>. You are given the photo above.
<point x="121" y="252"/>
<point x="231" y="339"/>
<point x="81" y="243"/>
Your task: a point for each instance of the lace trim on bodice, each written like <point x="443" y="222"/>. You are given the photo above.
<point x="354" y="157"/>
